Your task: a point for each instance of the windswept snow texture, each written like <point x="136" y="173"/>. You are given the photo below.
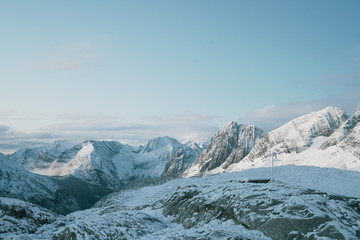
<point x="223" y="206"/>
<point x="230" y="145"/>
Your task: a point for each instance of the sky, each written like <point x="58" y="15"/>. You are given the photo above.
<point x="134" y="70"/>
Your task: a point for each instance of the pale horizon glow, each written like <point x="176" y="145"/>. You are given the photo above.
<point x="134" y="70"/>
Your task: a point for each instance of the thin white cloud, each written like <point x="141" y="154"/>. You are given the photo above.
<point x="4" y="129"/>
<point x="12" y="140"/>
<point x="273" y="116"/>
<point x="182" y="128"/>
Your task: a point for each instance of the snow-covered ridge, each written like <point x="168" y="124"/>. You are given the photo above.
<point x="61" y="195"/>
<point x="233" y="148"/>
<point x="343" y="131"/>
<point x="160" y="142"/>
<point x="231" y="144"/>
<point x="299" y="142"/>
<point x="298" y="134"/>
<point x="41" y="157"/>
<point x="110" y="163"/>
<point x="303" y="203"/>
<point x="220" y="206"/>
<point x="302" y="140"/>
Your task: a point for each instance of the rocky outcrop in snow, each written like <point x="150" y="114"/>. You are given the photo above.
<point x="230" y="145"/>
<point x="352" y="141"/>
<point x="18" y="217"/>
<point x="343" y="131"/>
<point x="224" y="206"/>
<point x="182" y="159"/>
<point x="165" y="158"/>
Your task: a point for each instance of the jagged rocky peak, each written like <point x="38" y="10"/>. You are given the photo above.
<point x="193" y="145"/>
<point x="347" y="137"/>
<point x="231" y="144"/>
<point x="62" y="144"/>
<point x="343" y="131"/>
<point x="181" y="159"/>
<point x="323" y="122"/>
<point x="160" y="142"/>
<point x="298" y="134"/>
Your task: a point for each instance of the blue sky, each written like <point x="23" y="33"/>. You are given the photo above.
<point x="133" y="70"/>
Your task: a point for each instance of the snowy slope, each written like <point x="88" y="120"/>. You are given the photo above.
<point x="340" y="150"/>
<point x="92" y="161"/>
<point x="223" y="206"/>
<point x="161" y="158"/>
<point x="352" y="142"/>
<point x="41" y="157"/>
<point x="18" y="217"/>
<point x="230" y="145"/>
<point x="61" y="195"/>
<point x="334" y="157"/>
<point x="112" y="164"/>
<point x="343" y="131"/>
<point x="296" y="142"/>
<point x="15" y="182"/>
<point x="346" y="137"/>
<point x="182" y="159"/>
<point x="298" y="134"/>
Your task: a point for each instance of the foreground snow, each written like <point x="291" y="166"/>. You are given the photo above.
<point x="303" y="202"/>
<point x="332" y="157"/>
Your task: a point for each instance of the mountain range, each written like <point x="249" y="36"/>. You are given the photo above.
<point x="66" y="177"/>
<point x="326" y="138"/>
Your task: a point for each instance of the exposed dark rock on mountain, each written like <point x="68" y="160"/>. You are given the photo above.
<point x="229" y="145"/>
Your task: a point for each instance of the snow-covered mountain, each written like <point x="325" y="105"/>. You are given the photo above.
<point x="305" y="203"/>
<point x="18" y="217"/>
<point x="228" y="146"/>
<point x="112" y="164"/>
<point x="343" y="131"/>
<point x="61" y="195"/>
<point x="91" y="161"/>
<point x="346" y="134"/>
<point x="15" y="182"/>
<point x="161" y="159"/>
<point x="40" y="157"/>
<point x="352" y="141"/>
<point x="182" y="159"/>
<point x="295" y="139"/>
<point x="299" y="134"/>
